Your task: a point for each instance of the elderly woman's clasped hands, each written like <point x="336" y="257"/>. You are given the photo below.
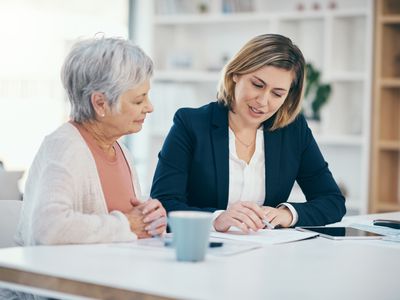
<point x="147" y="218"/>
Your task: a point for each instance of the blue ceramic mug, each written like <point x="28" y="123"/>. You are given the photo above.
<point x="191" y="232"/>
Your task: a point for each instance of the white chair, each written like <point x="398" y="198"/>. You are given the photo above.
<point x="9" y="216"/>
<point x="9" y="185"/>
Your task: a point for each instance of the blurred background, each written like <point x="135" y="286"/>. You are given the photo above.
<point x="352" y="48"/>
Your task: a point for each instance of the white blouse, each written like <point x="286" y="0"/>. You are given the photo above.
<point x="247" y="181"/>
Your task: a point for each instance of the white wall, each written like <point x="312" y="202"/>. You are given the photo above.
<point x="35" y="37"/>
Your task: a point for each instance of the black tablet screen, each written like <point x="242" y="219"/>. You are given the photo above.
<point x="341" y="231"/>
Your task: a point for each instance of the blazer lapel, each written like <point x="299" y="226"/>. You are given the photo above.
<point x="220" y="144"/>
<point x="272" y="152"/>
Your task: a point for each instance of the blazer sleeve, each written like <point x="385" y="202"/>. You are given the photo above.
<point x="325" y="202"/>
<point x="170" y="182"/>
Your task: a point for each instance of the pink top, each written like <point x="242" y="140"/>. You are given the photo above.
<point x="115" y="175"/>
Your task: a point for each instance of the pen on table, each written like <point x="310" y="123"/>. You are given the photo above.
<point x="268" y="224"/>
<point x="168" y="243"/>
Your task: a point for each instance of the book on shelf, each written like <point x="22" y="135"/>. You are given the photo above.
<point x="237" y="6"/>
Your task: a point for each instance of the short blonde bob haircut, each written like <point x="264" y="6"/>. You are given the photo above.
<point x="267" y="50"/>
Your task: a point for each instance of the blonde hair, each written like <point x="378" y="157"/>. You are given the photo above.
<point x="267" y="50"/>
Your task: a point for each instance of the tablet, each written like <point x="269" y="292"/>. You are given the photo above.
<point x="341" y="233"/>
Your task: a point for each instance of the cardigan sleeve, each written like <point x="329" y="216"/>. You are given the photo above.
<point x="56" y="221"/>
<point x="325" y="202"/>
<point x="61" y="207"/>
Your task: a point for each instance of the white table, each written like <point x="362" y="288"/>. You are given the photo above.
<point x="313" y="269"/>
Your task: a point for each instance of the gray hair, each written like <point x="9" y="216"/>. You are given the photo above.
<point x="107" y="65"/>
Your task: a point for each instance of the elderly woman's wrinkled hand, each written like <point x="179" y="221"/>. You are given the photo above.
<point x="155" y="217"/>
<point x="135" y="218"/>
<point x="147" y="219"/>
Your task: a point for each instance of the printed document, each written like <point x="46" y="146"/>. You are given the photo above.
<point x="265" y="236"/>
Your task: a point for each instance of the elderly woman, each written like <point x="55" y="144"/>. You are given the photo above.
<point x="82" y="186"/>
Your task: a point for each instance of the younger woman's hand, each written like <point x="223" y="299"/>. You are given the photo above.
<point x="245" y="215"/>
<point x="278" y="217"/>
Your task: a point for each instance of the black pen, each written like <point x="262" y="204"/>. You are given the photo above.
<point x="168" y="243"/>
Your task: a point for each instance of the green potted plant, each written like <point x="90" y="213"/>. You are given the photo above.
<point x="203" y="7"/>
<point x="316" y="94"/>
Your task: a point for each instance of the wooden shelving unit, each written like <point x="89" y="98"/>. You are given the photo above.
<point x="385" y="175"/>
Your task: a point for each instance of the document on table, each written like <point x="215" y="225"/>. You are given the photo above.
<point x="266" y="236"/>
<point x="228" y="248"/>
<point x="231" y="248"/>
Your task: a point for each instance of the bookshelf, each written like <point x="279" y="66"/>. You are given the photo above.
<point x="190" y="45"/>
<point x="385" y="159"/>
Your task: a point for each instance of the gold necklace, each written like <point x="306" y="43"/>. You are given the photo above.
<point x="243" y="143"/>
<point x="239" y="140"/>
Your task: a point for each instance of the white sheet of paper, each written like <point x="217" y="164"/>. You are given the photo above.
<point x="266" y="236"/>
<point x="231" y="247"/>
<point x="157" y="244"/>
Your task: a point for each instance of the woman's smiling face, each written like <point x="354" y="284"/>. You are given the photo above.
<point x="259" y="94"/>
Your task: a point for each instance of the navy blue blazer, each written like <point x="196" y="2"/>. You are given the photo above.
<point x="193" y="167"/>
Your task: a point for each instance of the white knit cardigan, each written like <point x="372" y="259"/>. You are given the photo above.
<point x="64" y="201"/>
